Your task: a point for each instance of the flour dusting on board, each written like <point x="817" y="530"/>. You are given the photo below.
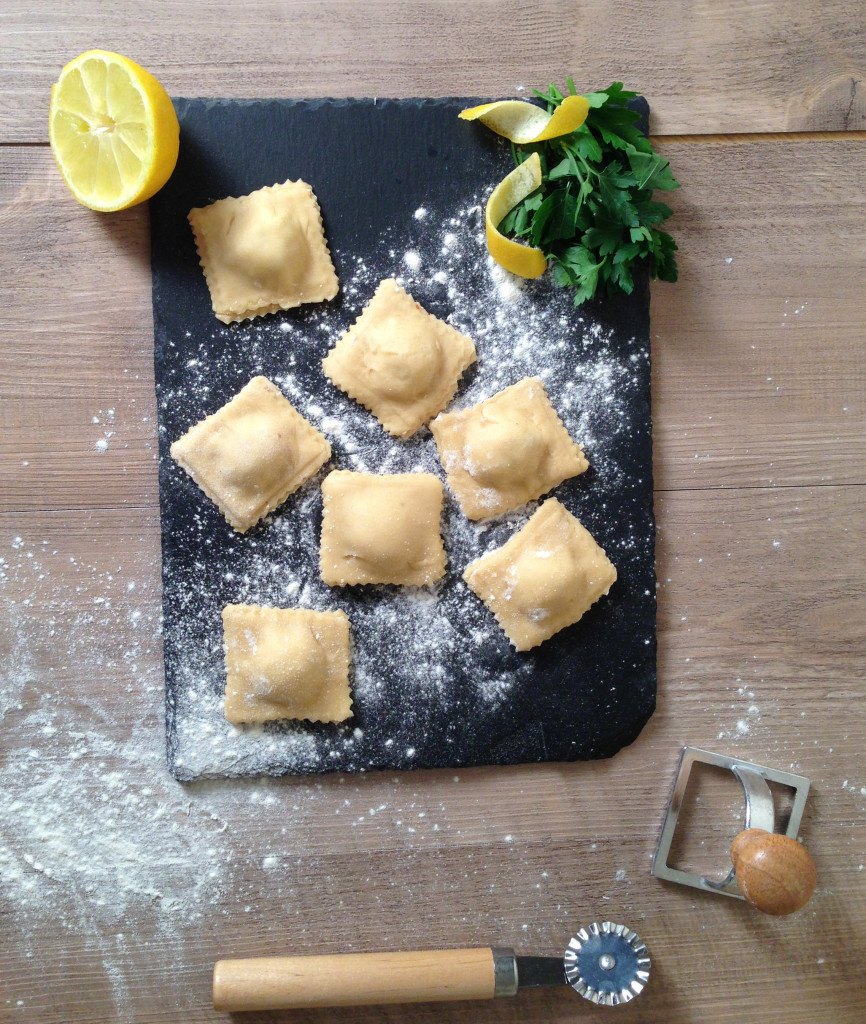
<point x="417" y="652"/>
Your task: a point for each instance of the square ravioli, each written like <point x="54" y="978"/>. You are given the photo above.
<point x="381" y="529"/>
<point x="399" y="361"/>
<point x="286" y="663"/>
<point x="251" y="454"/>
<point x="543" y="578"/>
<point x="506" y="451"/>
<point x="264" y="251"/>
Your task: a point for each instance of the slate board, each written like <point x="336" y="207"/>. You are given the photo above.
<point x="435" y="682"/>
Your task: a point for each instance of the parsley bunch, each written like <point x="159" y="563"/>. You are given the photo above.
<point x="594" y="216"/>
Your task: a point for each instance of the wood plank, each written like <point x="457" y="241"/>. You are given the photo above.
<point x="758" y="372"/>
<point x="123" y="886"/>
<point x="726" y="67"/>
<point x="532" y="895"/>
<point x="523" y="855"/>
<point x="761" y="606"/>
<point x="77" y="403"/>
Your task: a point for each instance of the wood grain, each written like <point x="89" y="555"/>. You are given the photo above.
<point x="759" y="406"/>
<point x="520" y="855"/>
<point x="748" y="619"/>
<point x="729" y="66"/>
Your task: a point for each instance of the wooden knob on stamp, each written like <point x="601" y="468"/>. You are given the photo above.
<point x="774" y="872"/>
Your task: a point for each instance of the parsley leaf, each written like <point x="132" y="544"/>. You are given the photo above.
<point x="575" y="267"/>
<point x="594" y="216"/>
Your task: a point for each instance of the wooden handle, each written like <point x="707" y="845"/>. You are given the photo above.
<point x="774" y="872"/>
<point x="352" y="979"/>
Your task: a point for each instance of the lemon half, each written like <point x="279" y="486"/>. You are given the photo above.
<point x="113" y="131"/>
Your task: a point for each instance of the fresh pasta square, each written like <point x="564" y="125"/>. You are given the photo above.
<point x="507" y="450"/>
<point x="381" y="529"/>
<point x="544" y="578"/>
<point x="251" y="454"/>
<point x="286" y="663"/>
<point x="399" y="361"/>
<point x="264" y="252"/>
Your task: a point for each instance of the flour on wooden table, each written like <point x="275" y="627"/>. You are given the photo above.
<point x="101" y="850"/>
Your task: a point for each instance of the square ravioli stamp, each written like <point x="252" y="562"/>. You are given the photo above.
<point x="251" y="454"/>
<point x="264" y="252"/>
<point x="381" y="529"/>
<point x="507" y="450"/>
<point x="542" y="579"/>
<point x="286" y="663"/>
<point x="399" y="361"/>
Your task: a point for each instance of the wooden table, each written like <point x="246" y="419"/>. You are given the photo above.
<point x="121" y="887"/>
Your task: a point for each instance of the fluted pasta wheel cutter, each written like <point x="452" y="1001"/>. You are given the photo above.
<point x="770" y="870"/>
<point x="606" y="963"/>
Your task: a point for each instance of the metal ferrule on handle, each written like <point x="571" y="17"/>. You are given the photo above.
<point x="357" y="979"/>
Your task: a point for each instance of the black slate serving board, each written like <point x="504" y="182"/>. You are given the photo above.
<point x="401" y="184"/>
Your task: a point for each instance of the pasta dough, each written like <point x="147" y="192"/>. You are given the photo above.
<point x="506" y="451"/>
<point x="381" y="529"/>
<point x="286" y="663"/>
<point x="544" y="578"/>
<point x="400" y="362"/>
<point x="264" y="251"/>
<point x="251" y="454"/>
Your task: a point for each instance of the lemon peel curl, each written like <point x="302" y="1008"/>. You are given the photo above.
<point x="514" y="256"/>
<point x="524" y="123"/>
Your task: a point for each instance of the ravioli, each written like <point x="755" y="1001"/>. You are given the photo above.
<point x="399" y="361"/>
<point x="507" y="450"/>
<point x="251" y="454"/>
<point x="264" y="252"/>
<point x="381" y="529"/>
<point x="544" y="578"/>
<point x="286" y="663"/>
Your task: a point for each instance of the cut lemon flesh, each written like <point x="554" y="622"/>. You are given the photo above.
<point x="113" y="131"/>
<point x="525" y="123"/>
<point x="513" y="189"/>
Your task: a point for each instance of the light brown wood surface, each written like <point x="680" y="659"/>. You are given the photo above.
<point x="759" y="407"/>
<point x="726" y="66"/>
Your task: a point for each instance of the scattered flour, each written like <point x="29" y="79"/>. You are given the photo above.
<point x="436" y="653"/>
<point x="750" y="717"/>
<point x="93" y="831"/>
<point x="101" y="851"/>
